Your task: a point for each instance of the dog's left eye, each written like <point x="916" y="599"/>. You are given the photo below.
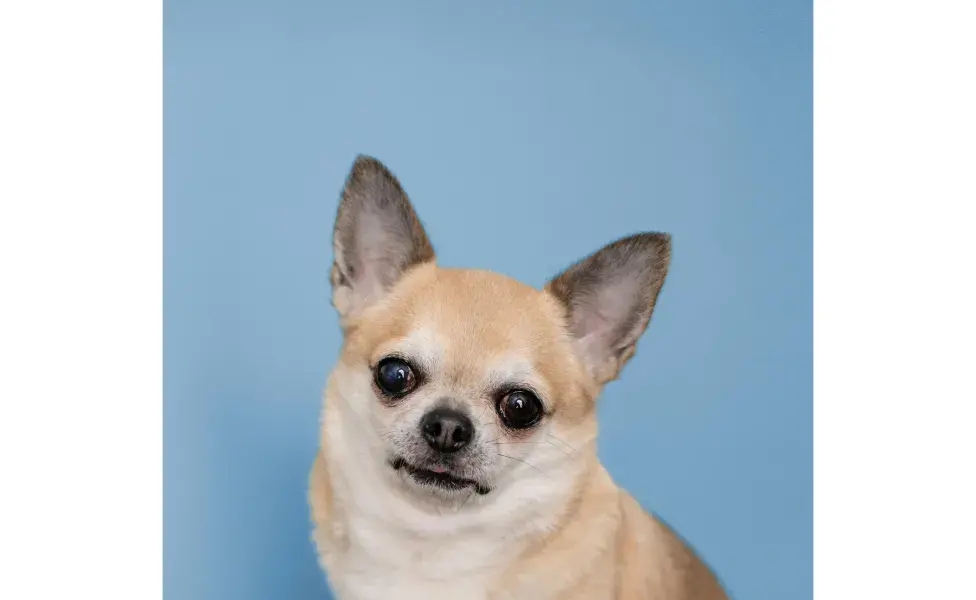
<point x="395" y="377"/>
<point x="520" y="409"/>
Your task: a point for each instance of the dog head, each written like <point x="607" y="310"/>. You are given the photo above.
<point x="465" y="379"/>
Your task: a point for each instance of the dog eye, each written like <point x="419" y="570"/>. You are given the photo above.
<point x="520" y="409"/>
<point x="395" y="377"/>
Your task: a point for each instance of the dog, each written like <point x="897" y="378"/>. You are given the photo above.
<point x="457" y="457"/>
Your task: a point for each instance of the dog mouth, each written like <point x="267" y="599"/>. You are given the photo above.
<point x="437" y="477"/>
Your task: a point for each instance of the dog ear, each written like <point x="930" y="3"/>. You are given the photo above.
<point x="609" y="297"/>
<point x="377" y="238"/>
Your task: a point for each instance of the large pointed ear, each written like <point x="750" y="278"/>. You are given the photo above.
<point x="609" y="297"/>
<point x="377" y="238"/>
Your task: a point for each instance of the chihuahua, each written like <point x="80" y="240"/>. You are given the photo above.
<point x="457" y="457"/>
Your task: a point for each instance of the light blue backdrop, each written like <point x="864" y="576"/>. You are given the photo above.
<point x="527" y="134"/>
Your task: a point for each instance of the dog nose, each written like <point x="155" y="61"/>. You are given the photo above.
<point x="446" y="430"/>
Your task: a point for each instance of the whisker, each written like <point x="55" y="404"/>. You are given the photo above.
<point x="571" y="449"/>
<point x="563" y="450"/>
<point x="518" y="443"/>
<point x="525" y="463"/>
<point x="575" y="451"/>
<point x="465" y="501"/>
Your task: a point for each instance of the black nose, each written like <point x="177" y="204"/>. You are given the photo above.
<point x="446" y="430"/>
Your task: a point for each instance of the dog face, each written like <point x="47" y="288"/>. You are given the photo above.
<point x="466" y="380"/>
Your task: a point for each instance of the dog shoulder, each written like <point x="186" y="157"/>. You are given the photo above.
<point x="326" y="532"/>
<point x="319" y="494"/>
<point x="654" y="560"/>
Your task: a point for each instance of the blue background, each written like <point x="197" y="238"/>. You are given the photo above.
<point x="528" y="134"/>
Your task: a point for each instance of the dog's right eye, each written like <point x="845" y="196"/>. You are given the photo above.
<point x="395" y="377"/>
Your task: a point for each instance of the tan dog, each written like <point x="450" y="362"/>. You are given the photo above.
<point x="457" y="457"/>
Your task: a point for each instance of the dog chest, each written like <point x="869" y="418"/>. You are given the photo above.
<point x="406" y="585"/>
<point x="380" y="564"/>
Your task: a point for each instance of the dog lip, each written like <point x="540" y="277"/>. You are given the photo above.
<point x="437" y="475"/>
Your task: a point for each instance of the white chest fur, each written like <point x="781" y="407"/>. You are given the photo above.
<point x="356" y="577"/>
<point x="408" y="588"/>
<point x="385" y="559"/>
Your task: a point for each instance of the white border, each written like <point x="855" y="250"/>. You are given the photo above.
<point x="894" y="364"/>
<point x="80" y="313"/>
<point x="80" y="306"/>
